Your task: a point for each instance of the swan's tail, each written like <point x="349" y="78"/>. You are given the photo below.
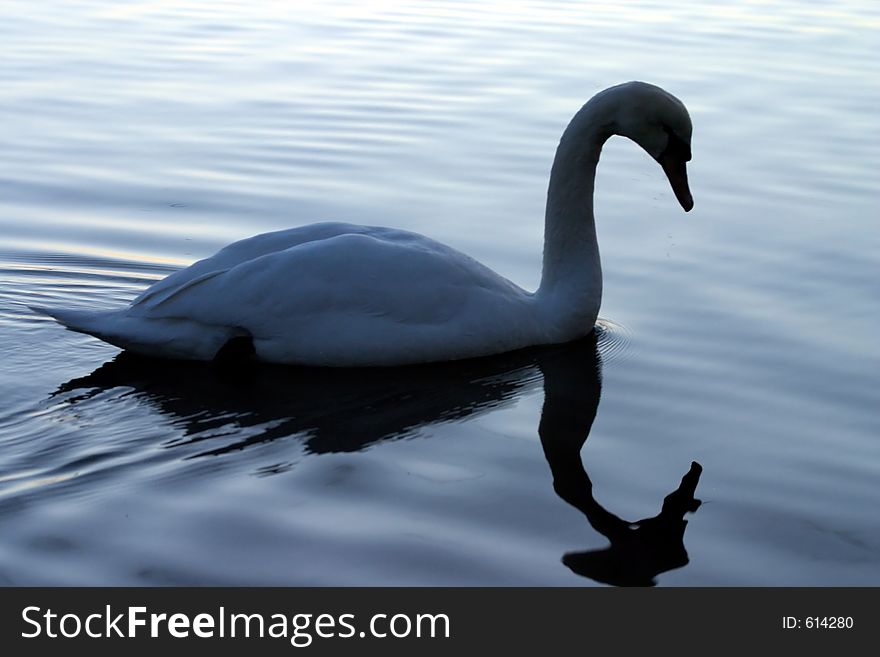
<point x="91" y="322"/>
<point x="162" y="337"/>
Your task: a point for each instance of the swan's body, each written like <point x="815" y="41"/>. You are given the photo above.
<point x="327" y="294"/>
<point x="345" y="295"/>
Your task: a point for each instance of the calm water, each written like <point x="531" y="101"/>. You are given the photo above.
<point x="140" y="136"/>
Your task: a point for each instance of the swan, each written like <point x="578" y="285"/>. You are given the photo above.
<point x="343" y="295"/>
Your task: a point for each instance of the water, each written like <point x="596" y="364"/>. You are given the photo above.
<point x="139" y="137"/>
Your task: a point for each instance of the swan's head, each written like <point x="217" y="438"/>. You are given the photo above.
<point x="658" y="122"/>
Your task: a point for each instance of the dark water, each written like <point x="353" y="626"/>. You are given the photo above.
<point x="138" y="137"/>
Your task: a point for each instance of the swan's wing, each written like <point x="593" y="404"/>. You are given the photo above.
<point x="347" y="273"/>
<point x="240" y="252"/>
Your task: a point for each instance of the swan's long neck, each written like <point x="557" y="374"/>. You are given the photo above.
<point x="571" y="282"/>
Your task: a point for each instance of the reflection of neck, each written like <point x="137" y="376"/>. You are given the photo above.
<point x="571" y="282"/>
<point x="572" y="388"/>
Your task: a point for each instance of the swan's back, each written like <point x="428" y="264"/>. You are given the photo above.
<point x="245" y="250"/>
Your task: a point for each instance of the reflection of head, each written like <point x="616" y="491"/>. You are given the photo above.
<point x="641" y="550"/>
<point x="646" y="548"/>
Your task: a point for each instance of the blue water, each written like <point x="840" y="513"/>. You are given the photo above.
<point x="138" y="137"/>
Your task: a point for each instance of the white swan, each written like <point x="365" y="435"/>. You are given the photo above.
<point x="344" y="295"/>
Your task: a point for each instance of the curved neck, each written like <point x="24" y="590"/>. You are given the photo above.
<point x="571" y="281"/>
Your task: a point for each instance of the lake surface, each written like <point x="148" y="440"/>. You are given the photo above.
<point x="138" y="137"/>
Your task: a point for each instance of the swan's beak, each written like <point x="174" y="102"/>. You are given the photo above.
<point x="675" y="169"/>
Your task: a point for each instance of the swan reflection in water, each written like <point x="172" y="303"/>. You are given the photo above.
<point x="226" y="407"/>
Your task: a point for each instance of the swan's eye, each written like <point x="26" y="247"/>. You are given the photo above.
<point x="676" y="146"/>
